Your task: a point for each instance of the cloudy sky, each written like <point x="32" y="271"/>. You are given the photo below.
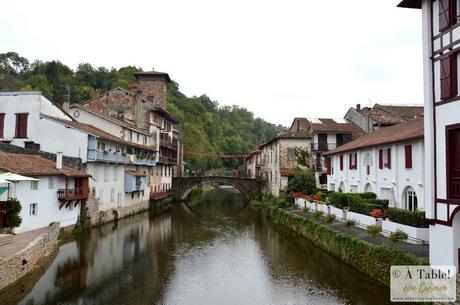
<point x="279" y="59"/>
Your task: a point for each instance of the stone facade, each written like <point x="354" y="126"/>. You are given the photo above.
<point x="18" y="265"/>
<point x="153" y="89"/>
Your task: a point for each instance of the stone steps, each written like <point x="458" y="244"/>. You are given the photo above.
<point x="5" y="239"/>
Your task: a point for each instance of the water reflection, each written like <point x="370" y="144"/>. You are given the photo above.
<point x="210" y="251"/>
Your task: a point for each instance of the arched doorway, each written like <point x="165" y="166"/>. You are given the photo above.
<point x="368" y="188"/>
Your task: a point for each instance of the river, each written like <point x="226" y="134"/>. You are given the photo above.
<point x="211" y="250"/>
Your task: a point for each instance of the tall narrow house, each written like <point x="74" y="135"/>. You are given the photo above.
<point x="441" y="46"/>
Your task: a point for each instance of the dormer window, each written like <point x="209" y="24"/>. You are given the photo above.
<point x="120" y="114"/>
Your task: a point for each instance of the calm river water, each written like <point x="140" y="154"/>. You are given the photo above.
<point x="212" y="250"/>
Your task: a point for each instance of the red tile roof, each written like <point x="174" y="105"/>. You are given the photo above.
<point x="387" y="115"/>
<point x="402" y="132"/>
<point x="35" y="165"/>
<point x="330" y="125"/>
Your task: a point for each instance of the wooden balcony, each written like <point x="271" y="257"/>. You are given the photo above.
<point x="72" y="194"/>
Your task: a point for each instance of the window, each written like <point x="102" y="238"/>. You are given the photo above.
<point x="106" y="173"/>
<point x="145" y="140"/>
<point x="51" y="183"/>
<point x="33" y="211"/>
<point x="120" y="114"/>
<point x="329" y="165"/>
<point x="388" y="163"/>
<point x="381" y="158"/>
<point x="408" y="155"/>
<point x="411" y="199"/>
<point x="96" y="174"/>
<point x="353" y="161"/>
<point x="112" y="195"/>
<point x="101" y="197"/>
<point x="21" y="125"/>
<point x="130" y="135"/>
<point x="34" y="185"/>
<point x="447" y="14"/>
<point x="341" y="162"/>
<point x="448" y="76"/>
<point x="291" y="154"/>
<point x="2" y="124"/>
<point x="453" y="161"/>
<point x="137" y="136"/>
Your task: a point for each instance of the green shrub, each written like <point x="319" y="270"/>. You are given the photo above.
<point x="374" y="260"/>
<point x="302" y="181"/>
<point x="321" y="194"/>
<point x="362" y="206"/>
<point x="305" y="209"/>
<point x="374" y="229"/>
<point x="383" y="202"/>
<point x="82" y="225"/>
<point x="399" y="235"/>
<point x="410" y="218"/>
<point x="339" y="200"/>
<point x="330" y="218"/>
<point x="349" y="223"/>
<point x="318" y="214"/>
<point x="13" y="210"/>
<point x="368" y="195"/>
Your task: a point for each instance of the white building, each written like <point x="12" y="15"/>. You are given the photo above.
<point x="388" y="162"/>
<point x="55" y="197"/>
<point x="253" y="165"/>
<point x="119" y="167"/>
<point x="326" y="134"/>
<point x="278" y="157"/>
<point x="441" y="36"/>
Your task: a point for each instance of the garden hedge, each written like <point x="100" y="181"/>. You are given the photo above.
<point x="374" y="260"/>
<point x="405" y="217"/>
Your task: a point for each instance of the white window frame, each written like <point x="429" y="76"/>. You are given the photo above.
<point x="33" y="209"/>
<point x="411" y="197"/>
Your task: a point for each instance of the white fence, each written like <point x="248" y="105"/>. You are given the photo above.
<point x="415" y="235"/>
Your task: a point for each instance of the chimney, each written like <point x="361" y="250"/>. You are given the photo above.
<point x="59" y="160"/>
<point x="138" y="111"/>
<point x="358" y="107"/>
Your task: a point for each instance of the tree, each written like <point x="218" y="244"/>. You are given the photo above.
<point x="13" y="208"/>
<point x="39" y="83"/>
<point x="302" y="181"/>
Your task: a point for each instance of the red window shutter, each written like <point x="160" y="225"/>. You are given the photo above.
<point x="408" y="153"/>
<point x="389" y="157"/>
<point x="23" y="125"/>
<point x="341" y="162"/>
<point x="380" y="158"/>
<point x="356" y="161"/>
<point x="444" y="14"/>
<point x="328" y="165"/>
<point x="2" y="124"/>
<point x="350" y="161"/>
<point x="448" y="77"/>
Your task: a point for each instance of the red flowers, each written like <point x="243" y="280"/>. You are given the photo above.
<point x="376" y="213"/>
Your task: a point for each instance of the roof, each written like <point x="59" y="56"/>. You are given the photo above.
<point x="90" y="129"/>
<point x="301" y="124"/>
<point x="153" y="73"/>
<point x="386" y="115"/>
<point x="410" y="130"/>
<point x="334" y="126"/>
<point x="410" y="4"/>
<point x="109" y="118"/>
<point x="289" y="135"/>
<point x="35" y="165"/>
<point x="253" y="153"/>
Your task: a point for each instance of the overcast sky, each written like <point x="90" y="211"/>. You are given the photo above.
<point x="279" y="59"/>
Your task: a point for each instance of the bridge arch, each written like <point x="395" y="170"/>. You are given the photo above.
<point x="183" y="186"/>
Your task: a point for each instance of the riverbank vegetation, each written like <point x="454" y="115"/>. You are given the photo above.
<point x="206" y="126"/>
<point x="374" y="260"/>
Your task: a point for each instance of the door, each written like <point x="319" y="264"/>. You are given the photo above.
<point x="453" y="162"/>
<point x="322" y="141"/>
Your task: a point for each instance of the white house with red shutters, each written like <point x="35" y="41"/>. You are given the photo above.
<point x="441" y="46"/>
<point x="388" y="162"/>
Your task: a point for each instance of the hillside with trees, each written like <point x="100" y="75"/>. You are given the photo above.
<point x="206" y="126"/>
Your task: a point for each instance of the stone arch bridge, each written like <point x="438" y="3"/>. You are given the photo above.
<point x="183" y="186"/>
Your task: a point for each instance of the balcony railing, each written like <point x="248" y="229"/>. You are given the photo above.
<point x="323" y="146"/>
<point x="95" y="155"/>
<point x="168" y="144"/>
<point x="168" y="160"/>
<point x="72" y="194"/>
